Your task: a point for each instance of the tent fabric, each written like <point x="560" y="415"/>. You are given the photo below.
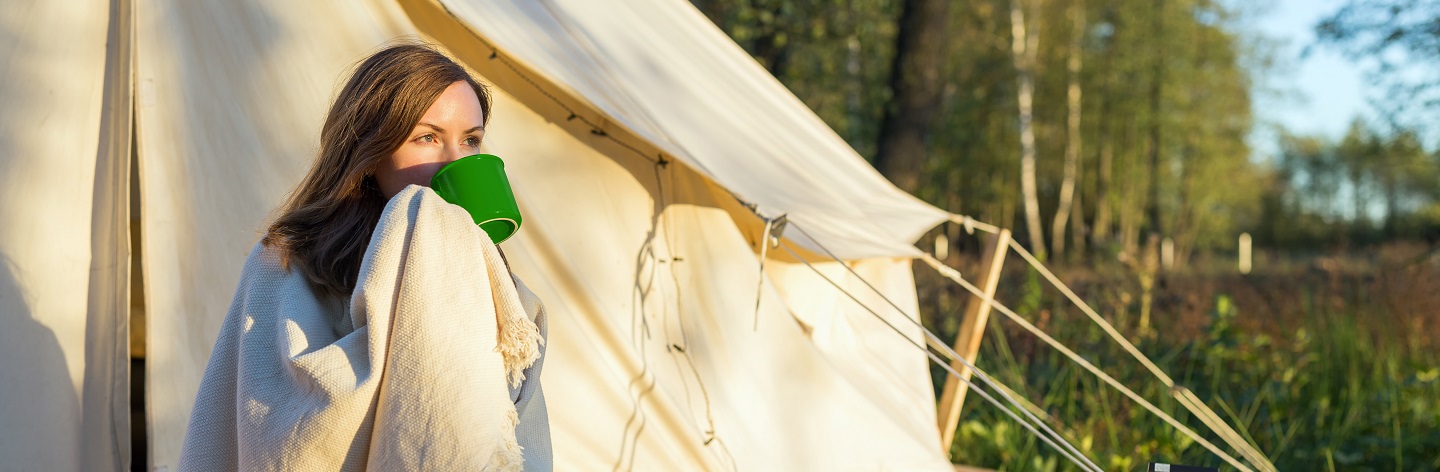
<point x="659" y="72"/>
<point x="658" y="335"/>
<point x="658" y="358"/>
<point x="64" y="162"/>
<point x="435" y="314"/>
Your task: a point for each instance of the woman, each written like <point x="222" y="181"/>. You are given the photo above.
<point x="375" y="326"/>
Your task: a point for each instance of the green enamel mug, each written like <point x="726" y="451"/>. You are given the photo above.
<point x="478" y="184"/>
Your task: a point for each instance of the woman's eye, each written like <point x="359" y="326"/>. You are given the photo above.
<point x="428" y="138"/>
<point x="472" y="141"/>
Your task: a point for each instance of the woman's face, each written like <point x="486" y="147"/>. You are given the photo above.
<point x="451" y="129"/>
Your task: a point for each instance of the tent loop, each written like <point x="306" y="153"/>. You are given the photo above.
<point x="777" y="230"/>
<point x="770" y="237"/>
<point x="753" y="207"/>
<point x="972" y="224"/>
<point x="948" y="272"/>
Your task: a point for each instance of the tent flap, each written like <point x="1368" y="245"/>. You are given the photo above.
<point x="664" y="77"/>
<point x="63" y="215"/>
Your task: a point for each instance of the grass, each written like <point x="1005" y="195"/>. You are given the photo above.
<point x="1336" y="368"/>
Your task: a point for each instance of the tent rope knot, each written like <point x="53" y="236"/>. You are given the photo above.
<point x="771" y="237"/>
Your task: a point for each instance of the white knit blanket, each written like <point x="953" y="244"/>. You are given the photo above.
<point x="410" y="373"/>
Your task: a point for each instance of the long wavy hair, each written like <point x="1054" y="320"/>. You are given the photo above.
<point x="324" y="226"/>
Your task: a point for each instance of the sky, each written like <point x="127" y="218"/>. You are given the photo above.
<point x="1318" y="94"/>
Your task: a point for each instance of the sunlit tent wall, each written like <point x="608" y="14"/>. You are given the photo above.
<point x="647" y="150"/>
<point x="64" y="150"/>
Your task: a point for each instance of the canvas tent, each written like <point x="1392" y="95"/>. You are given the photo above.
<point x="647" y="150"/>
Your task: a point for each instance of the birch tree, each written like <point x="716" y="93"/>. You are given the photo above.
<point x="1072" y="131"/>
<point x="1024" y="47"/>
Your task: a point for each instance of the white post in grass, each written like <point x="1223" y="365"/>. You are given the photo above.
<point x="1245" y="253"/>
<point x="1167" y="254"/>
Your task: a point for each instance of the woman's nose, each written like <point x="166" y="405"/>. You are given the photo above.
<point x="453" y="153"/>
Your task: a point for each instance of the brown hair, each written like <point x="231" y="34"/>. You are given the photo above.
<point x="324" y="226"/>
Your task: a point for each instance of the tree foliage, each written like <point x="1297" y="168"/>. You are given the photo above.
<point x="1366" y="188"/>
<point x="837" y="56"/>
<point x="1401" y="39"/>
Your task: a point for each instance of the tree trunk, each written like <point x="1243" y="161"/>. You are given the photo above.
<point x="1072" y="129"/>
<point x="854" y="82"/>
<point x="1355" y="189"/>
<point x="1128" y="207"/>
<point x="1156" y="81"/>
<point x="1100" y="229"/>
<point x="1148" y="272"/>
<point x="1392" y="205"/>
<point x="915" y="80"/>
<point x="1186" y="219"/>
<point x="1023" y="51"/>
<point x="1078" y="230"/>
<point x="713" y="9"/>
<point x="772" y="48"/>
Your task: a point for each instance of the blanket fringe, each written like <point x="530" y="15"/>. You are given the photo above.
<point x="519" y="343"/>
<point x="510" y="456"/>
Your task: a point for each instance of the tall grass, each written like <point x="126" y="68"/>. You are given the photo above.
<point x="1341" y="388"/>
